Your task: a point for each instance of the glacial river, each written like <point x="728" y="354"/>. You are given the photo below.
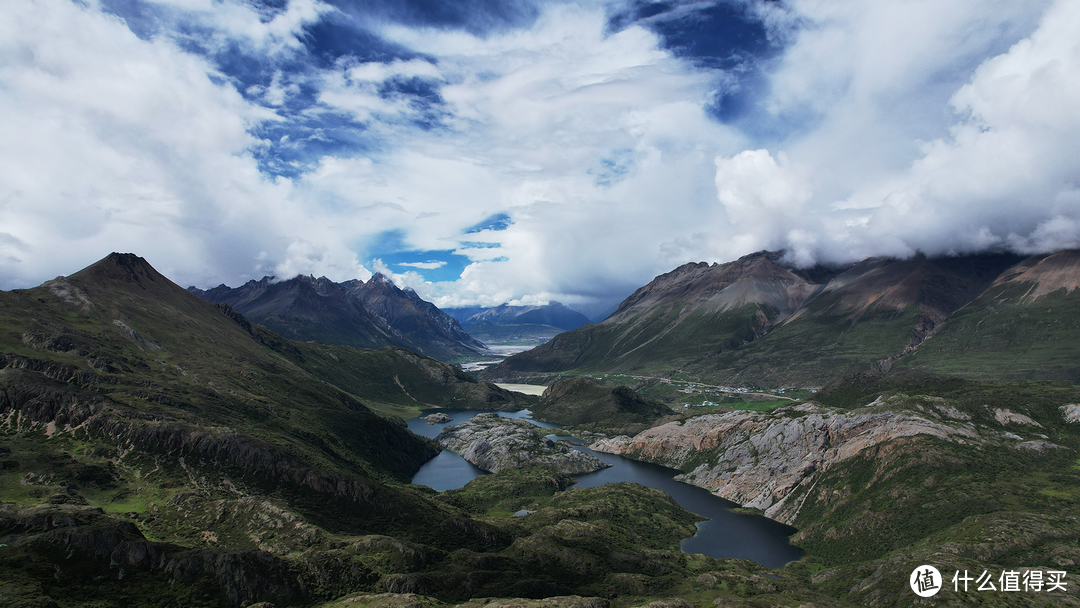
<point x="724" y="534"/>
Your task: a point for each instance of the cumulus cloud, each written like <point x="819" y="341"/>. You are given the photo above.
<point x="1001" y="175"/>
<point x="765" y="198"/>
<point x="121" y="143"/>
<point x="877" y="129"/>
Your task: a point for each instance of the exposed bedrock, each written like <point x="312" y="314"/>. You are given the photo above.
<point x="494" y="443"/>
<point x="759" y="459"/>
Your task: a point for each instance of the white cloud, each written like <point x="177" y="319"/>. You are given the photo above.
<point x="597" y="145"/>
<point x="887" y="127"/>
<point x="237" y="22"/>
<point x="431" y="265"/>
<point x="117" y="143"/>
<point x="764" y="198"/>
<point x="1002" y="173"/>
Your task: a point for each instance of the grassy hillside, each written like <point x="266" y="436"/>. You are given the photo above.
<point x="753" y="323"/>
<point x="1005" y="334"/>
<point x="811" y="348"/>
<point x="656" y="343"/>
<point x="135" y="415"/>
<point x="590" y="406"/>
<point x="159" y="450"/>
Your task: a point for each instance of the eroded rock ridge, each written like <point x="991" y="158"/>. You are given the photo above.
<point x="494" y="443"/>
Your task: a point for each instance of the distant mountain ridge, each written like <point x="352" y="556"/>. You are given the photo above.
<point x="553" y="313"/>
<point x="506" y="323"/>
<point x="355" y="313"/>
<point x="754" y="321"/>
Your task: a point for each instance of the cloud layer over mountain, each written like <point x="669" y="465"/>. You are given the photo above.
<point x="529" y="151"/>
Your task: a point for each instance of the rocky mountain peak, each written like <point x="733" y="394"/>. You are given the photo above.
<point x="379" y="279"/>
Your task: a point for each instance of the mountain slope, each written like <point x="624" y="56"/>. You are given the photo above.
<point x="353" y="313"/>
<point x="1025" y="325"/>
<point x="149" y="430"/>
<point x="305" y="308"/>
<point x="867" y="317"/>
<point x="412" y="316"/>
<point x="754" y="322"/>
<point x="677" y="318"/>
<point x="125" y="333"/>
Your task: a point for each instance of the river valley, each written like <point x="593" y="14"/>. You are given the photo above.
<point x="725" y="534"/>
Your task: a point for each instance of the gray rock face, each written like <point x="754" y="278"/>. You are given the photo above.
<point x="759" y="459"/>
<point x="494" y="443"/>
<point x="437" y="417"/>
<point x="1004" y="416"/>
<point x="1071" y="412"/>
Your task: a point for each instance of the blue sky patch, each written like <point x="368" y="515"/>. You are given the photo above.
<point x="433" y="265"/>
<point x="499" y="221"/>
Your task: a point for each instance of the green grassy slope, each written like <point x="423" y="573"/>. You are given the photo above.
<point x="134" y="415"/>
<point x="657" y="343"/>
<point x="970" y="315"/>
<point x="588" y="405"/>
<point x="812" y="348"/>
<point x="1007" y="335"/>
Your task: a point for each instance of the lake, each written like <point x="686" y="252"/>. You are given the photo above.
<point x="724" y="534"/>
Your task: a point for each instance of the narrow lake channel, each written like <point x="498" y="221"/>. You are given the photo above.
<point x="724" y="534"/>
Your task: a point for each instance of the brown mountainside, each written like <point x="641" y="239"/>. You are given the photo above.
<point x="754" y="321"/>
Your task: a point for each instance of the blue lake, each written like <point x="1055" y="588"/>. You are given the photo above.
<point x="724" y="534"/>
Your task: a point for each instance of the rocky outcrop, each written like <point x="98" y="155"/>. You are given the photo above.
<point x="1006" y="416"/>
<point x="436" y="418"/>
<point x="494" y="443"/>
<point x="1071" y="412"/>
<point x="759" y="459"/>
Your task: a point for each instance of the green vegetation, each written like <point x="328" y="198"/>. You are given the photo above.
<point x="587" y="405"/>
<point x="122" y="392"/>
<point x="1006" y="335"/>
<point x="971" y="316"/>
<point x="157" y="450"/>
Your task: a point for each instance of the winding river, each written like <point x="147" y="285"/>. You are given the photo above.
<point x="723" y="534"/>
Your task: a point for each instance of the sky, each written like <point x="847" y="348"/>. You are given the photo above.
<point x="522" y="150"/>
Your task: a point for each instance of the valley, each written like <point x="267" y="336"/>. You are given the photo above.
<point x="160" y="449"/>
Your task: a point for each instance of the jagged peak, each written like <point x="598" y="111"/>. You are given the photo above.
<point x="266" y="280"/>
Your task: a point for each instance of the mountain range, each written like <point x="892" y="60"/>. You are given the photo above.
<point x="506" y="324"/>
<point x="157" y="449"/>
<point x="369" y="314"/>
<point x="756" y="321"/>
